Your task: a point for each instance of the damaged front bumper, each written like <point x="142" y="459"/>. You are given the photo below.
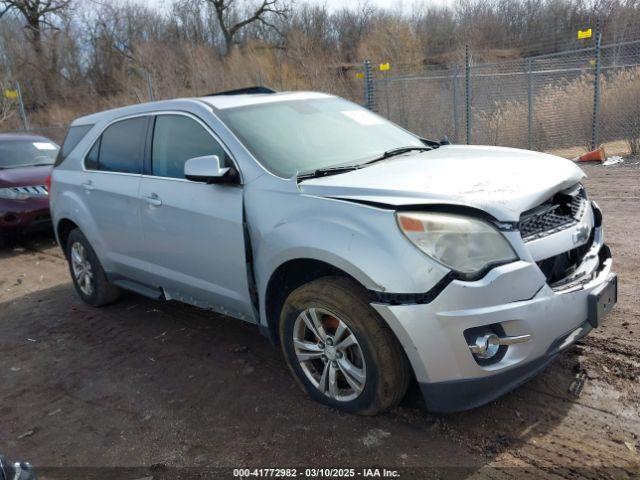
<point x="515" y="300"/>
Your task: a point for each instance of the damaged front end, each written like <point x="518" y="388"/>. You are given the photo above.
<point x="476" y="340"/>
<point x="565" y="238"/>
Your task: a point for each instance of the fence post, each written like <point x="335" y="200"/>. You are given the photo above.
<point x="596" y="90"/>
<point x="454" y="90"/>
<point x="467" y="86"/>
<point x="23" y="113"/>
<point x="529" y="106"/>
<point x="149" y="87"/>
<point x="369" y="100"/>
<point x="386" y="95"/>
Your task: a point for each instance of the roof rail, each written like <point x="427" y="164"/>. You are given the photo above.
<point x="242" y="91"/>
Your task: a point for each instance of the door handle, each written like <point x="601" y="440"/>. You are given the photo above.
<point x="153" y="199"/>
<point x="88" y="185"/>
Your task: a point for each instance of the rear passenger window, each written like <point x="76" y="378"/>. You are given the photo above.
<point x="120" y="148"/>
<point x="122" y="144"/>
<point x="176" y="139"/>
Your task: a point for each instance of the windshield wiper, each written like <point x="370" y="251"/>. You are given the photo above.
<point x="324" y="172"/>
<point x="397" y="151"/>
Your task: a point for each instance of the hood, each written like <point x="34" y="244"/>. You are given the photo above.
<point x="503" y="182"/>
<point x="24" y="176"/>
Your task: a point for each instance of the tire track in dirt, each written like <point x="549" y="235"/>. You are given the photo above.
<point x="145" y="382"/>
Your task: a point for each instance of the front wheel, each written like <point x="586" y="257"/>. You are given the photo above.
<point x="340" y="350"/>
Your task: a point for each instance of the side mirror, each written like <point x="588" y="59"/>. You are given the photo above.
<point x="207" y="169"/>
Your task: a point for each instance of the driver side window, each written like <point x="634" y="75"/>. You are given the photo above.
<point x="176" y="139"/>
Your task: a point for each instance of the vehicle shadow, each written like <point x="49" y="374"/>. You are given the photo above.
<point x="147" y="383"/>
<point x="13" y="243"/>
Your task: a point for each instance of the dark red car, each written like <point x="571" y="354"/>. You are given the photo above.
<point x="25" y="166"/>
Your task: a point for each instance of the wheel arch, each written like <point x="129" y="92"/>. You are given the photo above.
<point x="289" y="276"/>
<point x="63" y="228"/>
<point x="69" y="211"/>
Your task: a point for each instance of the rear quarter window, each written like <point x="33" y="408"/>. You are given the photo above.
<point x="74" y="135"/>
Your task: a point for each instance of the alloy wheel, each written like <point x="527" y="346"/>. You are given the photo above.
<point x="82" y="270"/>
<point x="329" y="354"/>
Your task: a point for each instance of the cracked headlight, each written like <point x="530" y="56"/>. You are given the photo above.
<point x="466" y="245"/>
<point x="10" y="194"/>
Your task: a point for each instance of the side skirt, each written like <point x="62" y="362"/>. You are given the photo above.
<point x="139" y="288"/>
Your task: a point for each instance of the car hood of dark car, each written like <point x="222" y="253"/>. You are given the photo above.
<point x="503" y="182"/>
<point x="24" y="176"/>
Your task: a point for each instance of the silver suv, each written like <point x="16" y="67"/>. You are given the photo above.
<point x="373" y="257"/>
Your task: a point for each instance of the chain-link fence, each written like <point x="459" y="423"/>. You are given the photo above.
<point x="21" y="112"/>
<point x="564" y="102"/>
<point x="48" y="111"/>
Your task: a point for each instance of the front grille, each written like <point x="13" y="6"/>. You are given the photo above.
<point x="561" y="211"/>
<point x="31" y="191"/>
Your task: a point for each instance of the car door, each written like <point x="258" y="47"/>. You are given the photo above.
<point x="193" y="232"/>
<point x="111" y="182"/>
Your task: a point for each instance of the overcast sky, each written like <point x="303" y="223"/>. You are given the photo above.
<point x="337" y="4"/>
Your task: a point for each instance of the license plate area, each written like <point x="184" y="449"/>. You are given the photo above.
<point x="602" y="299"/>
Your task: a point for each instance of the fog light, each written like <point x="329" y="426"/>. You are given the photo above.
<point x="486" y="346"/>
<point x="489" y="344"/>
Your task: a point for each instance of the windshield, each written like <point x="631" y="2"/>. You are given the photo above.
<point x="24" y="153"/>
<point x="301" y="136"/>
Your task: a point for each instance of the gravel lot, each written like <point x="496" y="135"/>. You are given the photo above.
<point x="162" y="385"/>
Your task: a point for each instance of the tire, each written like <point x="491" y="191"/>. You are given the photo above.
<point x="370" y="376"/>
<point x="100" y="292"/>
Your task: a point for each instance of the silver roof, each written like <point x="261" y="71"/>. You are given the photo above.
<point x="230" y="101"/>
<point x="216" y="101"/>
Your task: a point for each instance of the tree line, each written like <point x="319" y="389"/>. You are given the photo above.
<point x="70" y="55"/>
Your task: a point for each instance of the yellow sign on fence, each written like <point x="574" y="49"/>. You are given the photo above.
<point x="11" y="94"/>
<point x="584" y="34"/>
<point x="384" y="67"/>
<point x="359" y="75"/>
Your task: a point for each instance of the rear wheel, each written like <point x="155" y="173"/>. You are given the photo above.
<point x="340" y="350"/>
<point x="89" y="278"/>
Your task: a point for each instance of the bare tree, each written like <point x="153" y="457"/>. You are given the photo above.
<point x="231" y="24"/>
<point x="40" y="65"/>
<point x="35" y="13"/>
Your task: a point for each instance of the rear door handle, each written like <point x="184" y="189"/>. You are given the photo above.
<point x="153" y="199"/>
<point x="88" y="185"/>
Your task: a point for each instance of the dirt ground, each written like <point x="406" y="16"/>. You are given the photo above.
<point x="161" y="385"/>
